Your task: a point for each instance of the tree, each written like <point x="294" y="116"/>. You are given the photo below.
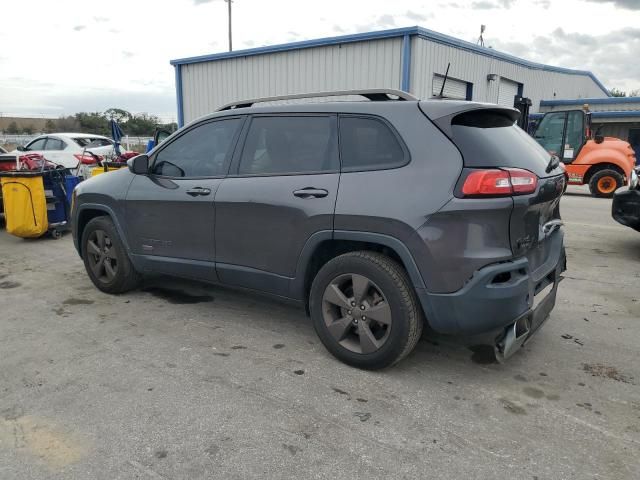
<point x="67" y="124"/>
<point x="28" y="129"/>
<point x="93" y="122"/>
<point x="12" y="128"/>
<point x="50" y="126"/>
<point x="615" y="92"/>
<point x="117" y="114"/>
<point x="635" y="93"/>
<point x="142" y="124"/>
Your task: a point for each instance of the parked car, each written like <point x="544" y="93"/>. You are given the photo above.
<point x="70" y="149"/>
<point x="2" y="150"/>
<point x="625" y="207"/>
<point x="377" y="216"/>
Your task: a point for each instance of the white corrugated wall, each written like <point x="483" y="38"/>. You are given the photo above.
<point x="209" y="85"/>
<point x="366" y="64"/>
<point x="429" y="58"/>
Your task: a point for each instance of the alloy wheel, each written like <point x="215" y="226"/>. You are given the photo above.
<point x="356" y="313"/>
<point x="102" y="256"/>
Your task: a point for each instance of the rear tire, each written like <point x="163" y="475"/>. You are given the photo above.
<point x="604" y="183"/>
<point x="364" y="310"/>
<point x="105" y="258"/>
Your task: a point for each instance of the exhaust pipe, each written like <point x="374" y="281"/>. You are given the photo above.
<point x="513" y="339"/>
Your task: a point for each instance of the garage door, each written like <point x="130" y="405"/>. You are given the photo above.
<point x="508" y="89"/>
<point x="452" y="89"/>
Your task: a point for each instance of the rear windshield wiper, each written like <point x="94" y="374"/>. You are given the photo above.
<point x="554" y="162"/>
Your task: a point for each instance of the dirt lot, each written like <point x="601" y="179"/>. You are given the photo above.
<point x="186" y="381"/>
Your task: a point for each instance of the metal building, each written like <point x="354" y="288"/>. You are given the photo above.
<point x="413" y="59"/>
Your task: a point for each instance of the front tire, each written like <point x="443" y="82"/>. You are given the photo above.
<point x="604" y="183"/>
<point x="105" y="258"/>
<point x="364" y="310"/>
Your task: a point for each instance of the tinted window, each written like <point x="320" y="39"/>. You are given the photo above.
<point x="368" y="144"/>
<point x="484" y="142"/>
<point x="277" y="145"/>
<point x="200" y="152"/>
<point x="54" y="144"/>
<point x="37" y="144"/>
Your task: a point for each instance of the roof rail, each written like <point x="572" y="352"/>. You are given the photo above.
<point x="375" y="95"/>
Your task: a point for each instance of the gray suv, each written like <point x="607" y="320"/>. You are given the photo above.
<point x="377" y="216"/>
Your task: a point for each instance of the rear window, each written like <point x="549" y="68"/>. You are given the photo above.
<point x="490" y="138"/>
<point x="88" y="142"/>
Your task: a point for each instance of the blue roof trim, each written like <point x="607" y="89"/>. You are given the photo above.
<point x="395" y="32"/>
<point x="591" y="101"/>
<point x="611" y="114"/>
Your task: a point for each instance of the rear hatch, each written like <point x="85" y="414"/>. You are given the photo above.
<point x="489" y="140"/>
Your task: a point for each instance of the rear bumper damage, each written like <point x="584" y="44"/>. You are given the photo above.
<point x="625" y="208"/>
<point x="506" y="300"/>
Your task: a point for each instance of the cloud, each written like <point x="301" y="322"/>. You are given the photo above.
<point x="610" y="56"/>
<point x="484" y="5"/>
<point x="200" y="2"/>
<point x="418" y="17"/>
<point x="628" y="4"/>
<point x="79" y="28"/>
<point x="100" y="19"/>
<point x="543" y="3"/>
<point x="338" y="29"/>
<point x="386" y="20"/>
<point x="127" y="54"/>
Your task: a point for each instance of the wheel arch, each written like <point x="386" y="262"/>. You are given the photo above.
<point x="602" y="166"/>
<point x="88" y="212"/>
<point x="323" y="246"/>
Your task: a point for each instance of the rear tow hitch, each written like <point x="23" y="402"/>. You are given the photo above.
<point x="513" y="339"/>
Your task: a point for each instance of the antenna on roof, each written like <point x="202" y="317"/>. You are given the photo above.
<point x="444" y="81"/>
<point x="481" y="39"/>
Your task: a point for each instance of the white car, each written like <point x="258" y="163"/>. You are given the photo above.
<point x="2" y="150"/>
<point x="70" y="149"/>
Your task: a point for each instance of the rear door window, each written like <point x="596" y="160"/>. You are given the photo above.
<point x="54" y="144"/>
<point x="369" y="144"/>
<point x="278" y="145"/>
<point x="203" y="151"/>
<point x="37" y="145"/>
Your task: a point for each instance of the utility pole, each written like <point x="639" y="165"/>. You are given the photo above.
<point x="230" y="41"/>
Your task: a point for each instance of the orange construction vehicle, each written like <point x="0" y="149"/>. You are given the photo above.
<point x="603" y="163"/>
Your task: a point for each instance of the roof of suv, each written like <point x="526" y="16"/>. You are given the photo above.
<point x="434" y="108"/>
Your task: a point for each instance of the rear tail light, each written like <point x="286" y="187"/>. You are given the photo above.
<point x="87" y="159"/>
<point x="495" y="182"/>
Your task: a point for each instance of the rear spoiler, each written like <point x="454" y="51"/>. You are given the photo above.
<point x="443" y="113"/>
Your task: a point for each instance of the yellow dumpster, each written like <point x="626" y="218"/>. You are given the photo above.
<point x="107" y="167"/>
<point x="25" y="204"/>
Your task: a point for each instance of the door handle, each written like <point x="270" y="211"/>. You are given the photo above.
<point x="310" y="192"/>
<point x="194" y="192"/>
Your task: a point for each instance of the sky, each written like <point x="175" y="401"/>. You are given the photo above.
<point x="61" y="57"/>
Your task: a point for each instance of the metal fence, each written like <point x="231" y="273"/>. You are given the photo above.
<point x="22" y="140"/>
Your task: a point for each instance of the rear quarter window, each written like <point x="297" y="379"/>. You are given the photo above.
<point x="368" y="143"/>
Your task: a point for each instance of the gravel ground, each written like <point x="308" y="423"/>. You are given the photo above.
<point x="180" y="380"/>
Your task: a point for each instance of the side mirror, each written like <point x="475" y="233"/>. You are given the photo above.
<point x="22" y="149"/>
<point x="598" y="138"/>
<point x="139" y="165"/>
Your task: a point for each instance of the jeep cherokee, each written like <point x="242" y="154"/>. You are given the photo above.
<point x="377" y="216"/>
